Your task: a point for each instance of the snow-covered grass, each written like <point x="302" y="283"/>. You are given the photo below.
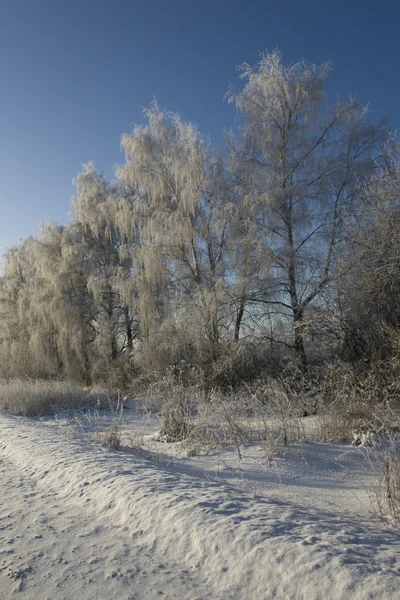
<point x="254" y="452"/>
<point x="247" y="505"/>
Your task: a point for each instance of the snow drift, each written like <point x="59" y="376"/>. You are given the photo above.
<point x="238" y="546"/>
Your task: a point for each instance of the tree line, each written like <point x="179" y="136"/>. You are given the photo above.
<point x="283" y="243"/>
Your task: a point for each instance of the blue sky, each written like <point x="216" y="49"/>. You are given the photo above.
<point x="75" y="75"/>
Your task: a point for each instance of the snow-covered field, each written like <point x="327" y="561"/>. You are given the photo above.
<point x="79" y="520"/>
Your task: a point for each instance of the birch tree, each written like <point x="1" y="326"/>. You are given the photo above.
<point x="304" y="159"/>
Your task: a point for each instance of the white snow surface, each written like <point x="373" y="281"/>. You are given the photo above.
<point x="78" y="520"/>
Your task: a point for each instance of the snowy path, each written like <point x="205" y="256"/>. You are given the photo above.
<point x="79" y="521"/>
<point x="52" y="550"/>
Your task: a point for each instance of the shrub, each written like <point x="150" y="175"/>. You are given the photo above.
<point x="178" y="402"/>
<point x="166" y="350"/>
<point x="116" y="374"/>
<point x="238" y="363"/>
<point x="356" y="401"/>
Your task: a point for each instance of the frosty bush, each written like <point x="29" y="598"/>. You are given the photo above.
<point x="178" y="403"/>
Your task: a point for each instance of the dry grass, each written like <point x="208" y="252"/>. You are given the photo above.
<point x="383" y="461"/>
<point x="110" y="437"/>
<point x="390" y="483"/>
<point x="264" y="413"/>
<point x="37" y="397"/>
<point x="109" y="428"/>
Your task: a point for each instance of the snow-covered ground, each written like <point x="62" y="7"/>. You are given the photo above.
<point x="79" y="520"/>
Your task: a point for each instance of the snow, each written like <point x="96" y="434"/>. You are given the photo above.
<point x="79" y="520"/>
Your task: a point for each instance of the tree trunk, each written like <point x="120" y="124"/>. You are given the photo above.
<point x="298" y="319"/>
<point x="114" y="347"/>
<point x="239" y="318"/>
<point x="129" y="333"/>
<point x="86" y="366"/>
<point x="298" y="327"/>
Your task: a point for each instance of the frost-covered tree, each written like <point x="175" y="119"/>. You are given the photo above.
<point x="47" y="305"/>
<point x="183" y="220"/>
<point x="191" y="247"/>
<point x="108" y="262"/>
<point x="18" y="331"/>
<point x="304" y="160"/>
<point x="369" y="294"/>
<point x="249" y="260"/>
<point x="64" y="299"/>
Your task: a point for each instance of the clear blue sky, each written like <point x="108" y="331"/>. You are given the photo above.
<point x="75" y="75"/>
